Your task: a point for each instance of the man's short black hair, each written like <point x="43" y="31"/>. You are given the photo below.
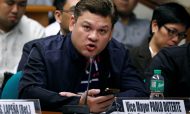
<point x="59" y="4"/>
<point x="100" y="7"/>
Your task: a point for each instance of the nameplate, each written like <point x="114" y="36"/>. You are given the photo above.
<point x="16" y="107"/>
<point x="154" y="107"/>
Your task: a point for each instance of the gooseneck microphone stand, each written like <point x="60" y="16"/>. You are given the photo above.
<point x="80" y="109"/>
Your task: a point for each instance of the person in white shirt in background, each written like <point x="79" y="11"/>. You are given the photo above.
<point x="62" y="14"/>
<point x="15" y="30"/>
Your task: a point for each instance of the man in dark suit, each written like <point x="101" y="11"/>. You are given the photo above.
<point x="175" y="65"/>
<point x="58" y="68"/>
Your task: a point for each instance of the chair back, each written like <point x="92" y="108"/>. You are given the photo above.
<point x="10" y="90"/>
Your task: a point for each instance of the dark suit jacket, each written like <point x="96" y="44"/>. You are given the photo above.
<point x="175" y="65"/>
<point x="26" y="51"/>
<point x="54" y="65"/>
<point x="141" y="58"/>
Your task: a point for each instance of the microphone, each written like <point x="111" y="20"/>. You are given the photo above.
<point x="80" y="109"/>
<point x="89" y="77"/>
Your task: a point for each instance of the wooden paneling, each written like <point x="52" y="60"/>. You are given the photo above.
<point x="39" y="13"/>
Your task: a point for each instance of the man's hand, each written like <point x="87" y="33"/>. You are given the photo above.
<point x="68" y="94"/>
<point x="99" y="103"/>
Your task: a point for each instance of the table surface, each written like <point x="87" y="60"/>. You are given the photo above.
<point x="49" y="112"/>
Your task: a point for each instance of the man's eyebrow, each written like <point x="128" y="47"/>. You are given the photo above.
<point x="86" y="22"/>
<point x="105" y="27"/>
<point x="72" y="8"/>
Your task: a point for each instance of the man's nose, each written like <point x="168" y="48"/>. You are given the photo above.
<point x="176" y="39"/>
<point x="15" y="8"/>
<point x="93" y="36"/>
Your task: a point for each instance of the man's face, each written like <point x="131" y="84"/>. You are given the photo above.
<point x="11" y="12"/>
<point x="125" y="7"/>
<point x="90" y="33"/>
<point x="63" y="17"/>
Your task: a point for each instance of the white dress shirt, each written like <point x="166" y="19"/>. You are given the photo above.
<point x="12" y="42"/>
<point x="52" y="29"/>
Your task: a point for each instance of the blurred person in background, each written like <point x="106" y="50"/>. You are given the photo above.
<point x="169" y="25"/>
<point x="15" y="30"/>
<point x="62" y="14"/>
<point x="130" y="30"/>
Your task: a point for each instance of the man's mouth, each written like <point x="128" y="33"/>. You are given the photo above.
<point x="13" y="18"/>
<point x="91" y="47"/>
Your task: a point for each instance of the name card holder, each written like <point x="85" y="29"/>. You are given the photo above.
<point x="26" y="106"/>
<point x="154" y="107"/>
<point x="144" y="105"/>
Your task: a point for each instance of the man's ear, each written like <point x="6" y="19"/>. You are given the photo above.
<point x="111" y="35"/>
<point x="154" y="26"/>
<point x="58" y="16"/>
<point x="72" y="23"/>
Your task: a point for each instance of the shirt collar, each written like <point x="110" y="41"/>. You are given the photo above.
<point x="131" y="18"/>
<point x="2" y="32"/>
<point x="17" y="28"/>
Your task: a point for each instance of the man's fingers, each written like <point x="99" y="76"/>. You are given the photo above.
<point x="101" y="99"/>
<point x="93" y="92"/>
<point x="68" y="94"/>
